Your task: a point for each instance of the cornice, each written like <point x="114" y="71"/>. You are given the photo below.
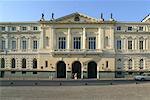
<point x="18" y="23"/>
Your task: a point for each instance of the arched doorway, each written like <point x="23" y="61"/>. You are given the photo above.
<point x="92" y="69"/>
<point x="61" y="69"/>
<point x="76" y="68"/>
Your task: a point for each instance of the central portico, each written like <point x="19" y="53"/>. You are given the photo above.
<point x="78" y="44"/>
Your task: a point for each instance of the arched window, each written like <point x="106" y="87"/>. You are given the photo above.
<point x="13" y="63"/>
<point x="106" y="41"/>
<point x="23" y="63"/>
<point x="47" y="41"/>
<point x="141" y="64"/>
<point x="2" y="63"/>
<point x="34" y="63"/>
<point x="130" y="63"/>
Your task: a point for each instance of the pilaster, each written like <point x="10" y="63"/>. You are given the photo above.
<point x="42" y="39"/>
<point x="102" y="38"/>
<point x="7" y="42"/>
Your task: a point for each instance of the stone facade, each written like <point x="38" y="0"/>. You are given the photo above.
<point x="75" y="44"/>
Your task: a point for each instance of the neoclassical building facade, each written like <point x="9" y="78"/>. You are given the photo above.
<point x="75" y="44"/>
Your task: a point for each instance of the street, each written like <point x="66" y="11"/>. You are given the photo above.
<point x="97" y="92"/>
<point x="69" y="82"/>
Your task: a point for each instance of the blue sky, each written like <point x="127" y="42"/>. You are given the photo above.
<point x="30" y="10"/>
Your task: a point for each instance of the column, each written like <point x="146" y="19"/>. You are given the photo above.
<point x="135" y="41"/>
<point x="69" y="39"/>
<point x="84" y="39"/>
<point x="99" y="39"/>
<point x="144" y="44"/>
<point x="147" y="45"/>
<point x="133" y="44"/>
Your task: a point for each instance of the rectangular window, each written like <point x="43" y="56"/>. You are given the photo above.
<point x="35" y="44"/>
<point x="62" y="43"/>
<point x="2" y="28"/>
<point x="130" y="28"/>
<point x="3" y="45"/>
<point x="141" y="28"/>
<point x="118" y="44"/>
<point x="129" y="44"/>
<point x="119" y="28"/>
<point x="24" y="28"/>
<point x="46" y="63"/>
<point x="24" y="44"/>
<point x="92" y="42"/>
<point x="141" y="45"/>
<point x="77" y="42"/>
<point x="35" y="28"/>
<point x="13" y="45"/>
<point x="13" y="28"/>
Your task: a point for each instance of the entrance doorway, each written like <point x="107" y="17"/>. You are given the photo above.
<point x="61" y="69"/>
<point x="92" y="70"/>
<point x="76" y="69"/>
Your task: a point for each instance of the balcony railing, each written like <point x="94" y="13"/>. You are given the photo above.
<point x="132" y="51"/>
<point x="76" y="51"/>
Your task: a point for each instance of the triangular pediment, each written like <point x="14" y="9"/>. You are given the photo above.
<point x="76" y="17"/>
<point x="146" y="19"/>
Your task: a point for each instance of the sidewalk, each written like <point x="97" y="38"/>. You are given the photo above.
<point x="35" y="78"/>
